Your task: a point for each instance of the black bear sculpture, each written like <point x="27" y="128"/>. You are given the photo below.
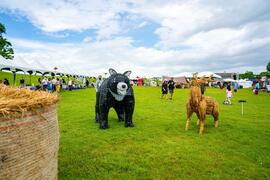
<point x="115" y="92"/>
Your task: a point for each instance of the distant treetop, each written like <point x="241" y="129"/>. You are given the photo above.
<point x="6" y="50"/>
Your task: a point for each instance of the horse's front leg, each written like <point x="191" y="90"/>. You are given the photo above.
<point x="189" y="114"/>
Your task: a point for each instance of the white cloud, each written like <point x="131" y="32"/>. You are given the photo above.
<point x="144" y="23"/>
<point x="55" y="16"/>
<point x="94" y="58"/>
<point x="194" y="35"/>
<point x="87" y="39"/>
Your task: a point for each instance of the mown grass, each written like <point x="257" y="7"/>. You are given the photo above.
<point x="158" y="147"/>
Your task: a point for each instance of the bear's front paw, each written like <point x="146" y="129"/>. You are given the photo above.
<point x="121" y="117"/>
<point x="129" y="124"/>
<point x="104" y="126"/>
<point x="97" y="118"/>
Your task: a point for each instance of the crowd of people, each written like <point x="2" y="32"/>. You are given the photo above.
<point x="167" y="86"/>
<point x="51" y="84"/>
<point x="46" y="84"/>
<point x="54" y="84"/>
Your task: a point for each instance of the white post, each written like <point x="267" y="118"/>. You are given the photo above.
<point x="242" y="108"/>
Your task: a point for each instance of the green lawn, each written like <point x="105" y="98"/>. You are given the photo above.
<point x="158" y="147"/>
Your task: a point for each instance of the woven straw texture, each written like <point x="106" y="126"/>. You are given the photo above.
<point x="29" y="145"/>
<point x="29" y="135"/>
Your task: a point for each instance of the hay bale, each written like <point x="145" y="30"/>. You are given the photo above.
<point x="29" y="135"/>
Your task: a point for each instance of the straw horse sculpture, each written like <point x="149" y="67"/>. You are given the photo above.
<point x="200" y="104"/>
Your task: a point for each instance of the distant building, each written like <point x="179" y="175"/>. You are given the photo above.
<point x="179" y="81"/>
<point x="225" y="75"/>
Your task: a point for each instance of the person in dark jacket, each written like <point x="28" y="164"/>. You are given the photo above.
<point x="171" y="85"/>
<point x="6" y="82"/>
<point x="164" y="89"/>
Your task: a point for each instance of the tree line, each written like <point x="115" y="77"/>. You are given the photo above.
<point x="6" y="50"/>
<point x="251" y="75"/>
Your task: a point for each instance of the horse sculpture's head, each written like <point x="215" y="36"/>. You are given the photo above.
<point x="195" y="95"/>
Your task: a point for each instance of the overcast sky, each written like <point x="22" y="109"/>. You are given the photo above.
<point x="150" y="38"/>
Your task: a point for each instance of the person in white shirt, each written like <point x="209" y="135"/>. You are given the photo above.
<point x="54" y="84"/>
<point x="70" y="85"/>
<point x="44" y="84"/>
<point x="97" y="85"/>
<point x="98" y="82"/>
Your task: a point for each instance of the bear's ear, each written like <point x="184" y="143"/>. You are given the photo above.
<point x="112" y="71"/>
<point x="127" y="73"/>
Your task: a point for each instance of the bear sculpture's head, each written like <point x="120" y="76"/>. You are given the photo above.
<point x="119" y="84"/>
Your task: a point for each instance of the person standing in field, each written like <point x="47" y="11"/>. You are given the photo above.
<point x="54" y="84"/>
<point x="22" y="83"/>
<point x="164" y="89"/>
<point x="257" y="87"/>
<point x="44" y="83"/>
<point x="49" y="85"/>
<point x="57" y="86"/>
<point x="97" y="85"/>
<point x="235" y="86"/>
<point x="98" y="82"/>
<point x="87" y="83"/>
<point x="229" y="93"/>
<point x="70" y="85"/>
<point x="6" y="82"/>
<point x="171" y="85"/>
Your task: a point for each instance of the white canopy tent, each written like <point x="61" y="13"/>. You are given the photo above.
<point x="208" y="74"/>
<point x="37" y="66"/>
<point x="184" y="74"/>
<point x="245" y="83"/>
<point x="201" y="74"/>
<point x="229" y="80"/>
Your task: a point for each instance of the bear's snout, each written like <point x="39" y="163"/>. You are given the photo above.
<point x="122" y="88"/>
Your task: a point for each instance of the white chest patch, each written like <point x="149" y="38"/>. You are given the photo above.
<point x="121" y="91"/>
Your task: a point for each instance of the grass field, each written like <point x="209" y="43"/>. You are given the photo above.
<point x="158" y="147"/>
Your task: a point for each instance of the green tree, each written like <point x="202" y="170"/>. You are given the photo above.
<point x="247" y="75"/>
<point x="6" y="50"/>
<point x="263" y="74"/>
<point x="268" y="67"/>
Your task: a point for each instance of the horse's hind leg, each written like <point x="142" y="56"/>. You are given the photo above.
<point x="216" y="115"/>
<point x="202" y="122"/>
<point x="202" y="113"/>
<point x="216" y="119"/>
<point x="198" y="121"/>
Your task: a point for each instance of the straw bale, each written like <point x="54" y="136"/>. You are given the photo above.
<point x="29" y="141"/>
<point x="14" y="101"/>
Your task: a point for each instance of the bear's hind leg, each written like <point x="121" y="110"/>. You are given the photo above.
<point x="97" y="115"/>
<point x="103" y="118"/>
<point x="129" y="108"/>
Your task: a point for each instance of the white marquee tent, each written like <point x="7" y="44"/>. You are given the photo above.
<point x="38" y="67"/>
<point x="201" y="74"/>
<point x="208" y="74"/>
<point x="184" y="74"/>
